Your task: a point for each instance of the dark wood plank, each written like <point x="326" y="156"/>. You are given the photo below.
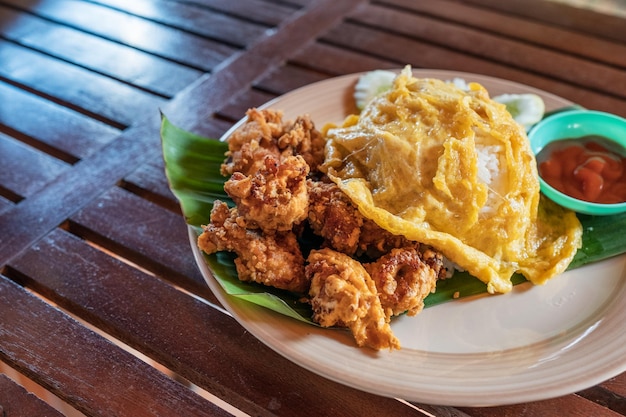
<point x="158" y="240"/>
<point x="124" y="63"/>
<point x="617" y="385"/>
<point x="24" y="169"/>
<point x="192" y="108"/>
<point x="495" y="48"/>
<point x="57" y="130"/>
<point x="15" y="401"/>
<point x="149" y="182"/>
<point x="5" y="204"/>
<point x="73" y="189"/>
<point x="206" y="23"/>
<point x="287" y="78"/>
<point x="562" y="14"/>
<point x="338" y="61"/>
<point x="188" y="336"/>
<point x="254" y="10"/>
<point x="213" y="93"/>
<point x="511" y="26"/>
<point x="606" y="398"/>
<point x="420" y="54"/>
<point x="84" y="369"/>
<point x="102" y="98"/>
<point x="152" y="37"/>
<point x="236" y="108"/>
<point x="571" y="405"/>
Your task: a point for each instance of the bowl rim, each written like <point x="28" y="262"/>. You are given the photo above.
<point x="580" y="206"/>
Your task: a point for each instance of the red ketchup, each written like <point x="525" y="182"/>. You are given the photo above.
<point x="591" y="168"/>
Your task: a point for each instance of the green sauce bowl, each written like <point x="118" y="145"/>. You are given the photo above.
<point x="576" y="124"/>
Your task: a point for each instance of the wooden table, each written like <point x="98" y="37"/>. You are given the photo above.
<point x="103" y="311"/>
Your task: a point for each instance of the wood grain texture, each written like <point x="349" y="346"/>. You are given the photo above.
<point x="93" y="247"/>
<point x="15" y="401"/>
<point x="194" y="340"/>
<point x="82" y="368"/>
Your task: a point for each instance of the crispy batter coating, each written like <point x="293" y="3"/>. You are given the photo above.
<point x="270" y="259"/>
<point x="305" y="140"/>
<point x="343" y="294"/>
<point x="265" y="133"/>
<point x="333" y="217"/>
<point x="248" y="145"/>
<point x="274" y="198"/>
<point x="404" y="277"/>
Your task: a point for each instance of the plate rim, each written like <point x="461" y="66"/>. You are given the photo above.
<point x="468" y="398"/>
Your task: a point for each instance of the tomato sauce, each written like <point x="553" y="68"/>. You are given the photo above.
<point x="591" y="168"/>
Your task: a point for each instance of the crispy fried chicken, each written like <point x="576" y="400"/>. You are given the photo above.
<point x="343" y="294"/>
<point x="269" y="259"/>
<point x="274" y="198"/>
<point x="404" y="277"/>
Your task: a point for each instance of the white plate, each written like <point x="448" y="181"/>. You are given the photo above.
<point x="531" y="344"/>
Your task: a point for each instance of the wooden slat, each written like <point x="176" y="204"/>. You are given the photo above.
<point x="562" y="14"/>
<point x="287" y="78"/>
<point x="189" y="17"/>
<point x="152" y="37"/>
<point x="196" y="341"/>
<point x="212" y="93"/>
<point x="158" y="239"/>
<point x="617" y="385"/>
<point x="339" y="61"/>
<point x="15" y="401"/>
<point x="84" y="369"/>
<point x="137" y="145"/>
<point x="515" y="27"/>
<point x="426" y="55"/>
<point x="102" y="98"/>
<point x="57" y="130"/>
<point x="571" y="406"/>
<point x="124" y="63"/>
<point x="25" y="170"/>
<point x="236" y="109"/>
<point x="74" y="189"/>
<point x="509" y="52"/>
<point x="255" y="10"/>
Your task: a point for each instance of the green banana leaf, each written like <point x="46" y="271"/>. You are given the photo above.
<point x="192" y="166"/>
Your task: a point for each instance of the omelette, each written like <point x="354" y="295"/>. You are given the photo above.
<point x="452" y="169"/>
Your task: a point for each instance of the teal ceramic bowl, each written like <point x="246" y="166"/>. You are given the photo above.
<point x="575" y="124"/>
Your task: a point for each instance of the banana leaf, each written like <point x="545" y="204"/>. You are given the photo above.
<point x="192" y="166"/>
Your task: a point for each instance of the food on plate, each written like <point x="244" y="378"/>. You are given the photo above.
<point x="527" y="109"/>
<point x="451" y="169"/>
<point x="359" y="220"/>
<point x="281" y="198"/>
<point x="404" y="277"/>
<point x="343" y="294"/>
<point x="336" y="219"/>
<point x="268" y="259"/>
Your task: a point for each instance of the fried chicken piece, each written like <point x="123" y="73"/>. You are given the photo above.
<point x="274" y="260"/>
<point x="343" y="294"/>
<point x="404" y="277"/>
<point x="265" y="133"/>
<point x="253" y="141"/>
<point x="274" y="198"/>
<point x="333" y="216"/>
<point x="305" y="140"/>
<point x="374" y="241"/>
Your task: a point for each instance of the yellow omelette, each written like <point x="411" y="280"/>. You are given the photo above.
<point x="452" y="169"/>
